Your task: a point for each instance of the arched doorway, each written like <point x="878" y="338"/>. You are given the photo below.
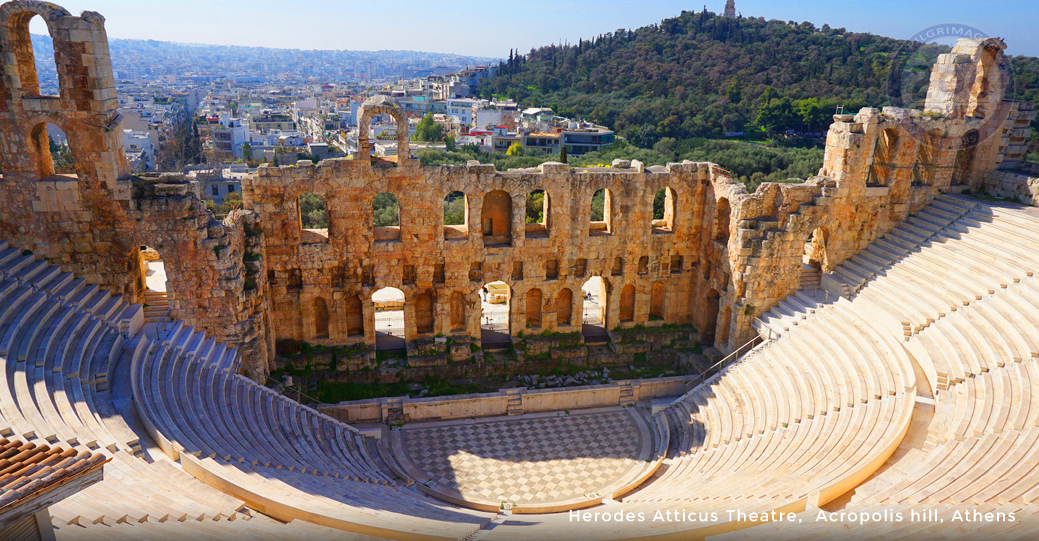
<point x="389" y="319"/>
<point x="627" y="306"/>
<point x="594" y="309"/>
<point x="656" y="302"/>
<point x="564" y="307"/>
<point x="814" y="259"/>
<point x="710" y="317"/>
<point x="153" y="275"/>
<point x="354" y="316"/>
<point x="457" y="312"/>
<point x="495" y="300"/>
<point x="533" y="308"/>
<point x="965" y="158"/>
<point x="320" y="318"/>
<point x="425" y="321"/>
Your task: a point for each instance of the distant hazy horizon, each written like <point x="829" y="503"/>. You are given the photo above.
<point x="487" y="30"/>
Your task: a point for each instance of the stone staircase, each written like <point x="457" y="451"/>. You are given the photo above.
<point x="627" y="394"/>
<point x="811" y="277"/>
<point x="395" y="411"/>
<point x="515" y="404"/>
<point x="156" y="305"/>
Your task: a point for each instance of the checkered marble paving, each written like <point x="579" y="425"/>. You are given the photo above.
<point x="528" y="460"/>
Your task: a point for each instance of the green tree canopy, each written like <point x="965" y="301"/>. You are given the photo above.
<point x="312" y="212"/>
<point x="428" y="130"/>
<point x="385" y="210"/>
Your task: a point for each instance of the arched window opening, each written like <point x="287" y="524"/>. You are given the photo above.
<point x="386" y="217"/>
<point x="39" y="75"/>
<point x="537" y="215"/>
<point x="313" y="218"/>
<point x="618" y="266"/>
<point x="644" y="265"/>
<point x="884" y="155"/>
<point x="927" y="164"/>
<point x="627" y="308"/>
<point x="424" y="318"/>
<point x="965" y="158"/>
<point x="354" y="316"/>
<point x="564" y="307"/>
<point x="656" y="302"/>
<point x="389" y="319"/>
<point x="497" y="219"/>
<point x="552" y="269"/>
<point x="495" y="300"/>
<point x="600" y="217"/>
<point x="721" y="220"/>
<point x="664" y="211"/>
<point x="534" y="309"/>
<point x="593" y="311"/>
<point x="320" y="316"/>
<point x="457" y="312"/>
<point x="53" y="155"/>
<point x="676" y="264"/>
<point x="456" y="216"/>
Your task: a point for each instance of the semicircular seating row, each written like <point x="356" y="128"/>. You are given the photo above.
<point x="979" y="452"/>
<point x="746" y="439"/>
<point x="61" y="340"/>
<point x="273" y="452"/>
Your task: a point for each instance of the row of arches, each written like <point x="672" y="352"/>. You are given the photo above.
<point x="887" y="157"/>
<point x="496" y="302"/>
<point x="496" y="217"/>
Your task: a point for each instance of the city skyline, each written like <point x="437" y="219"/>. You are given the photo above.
<point x="488" y="31"/>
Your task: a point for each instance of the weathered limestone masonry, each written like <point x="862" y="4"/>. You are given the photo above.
<point x="718" y="259"/>
<point x="441" y="268"/>
<point x="723" y="258"/>
<point x="879" y="166"/>
<point x="67" y="218"/>
<point x="95" y="222"/>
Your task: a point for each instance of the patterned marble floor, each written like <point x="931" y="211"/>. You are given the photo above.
<point x="529" y="460"/>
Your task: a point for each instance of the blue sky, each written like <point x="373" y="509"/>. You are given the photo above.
<point x="485" y="28"/>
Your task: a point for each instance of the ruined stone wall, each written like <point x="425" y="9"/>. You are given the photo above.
<point x="451" y="264"/>
<point x="68" y="219"/>
<point x="879" y="166"/>
<point x="215" y="270"/>
<point x="719" y="259"/>
<point x="94" y="222"/>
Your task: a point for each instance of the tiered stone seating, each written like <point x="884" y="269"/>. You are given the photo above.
<point x="62" y="338"/>
<point x="271" y="451"/>
<point x="980" y="451"/>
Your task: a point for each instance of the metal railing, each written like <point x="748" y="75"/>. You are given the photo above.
<point x="282" y="388"/>
<point x="717" y="367"/>
<point x="162" y="326"/>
